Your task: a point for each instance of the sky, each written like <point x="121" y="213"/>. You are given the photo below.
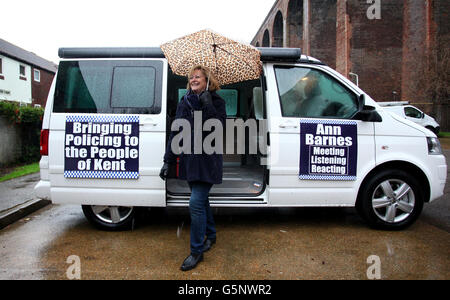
<point x="43" y="26"/>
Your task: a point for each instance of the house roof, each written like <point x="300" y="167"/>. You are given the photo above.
<point x="20" y="54"/>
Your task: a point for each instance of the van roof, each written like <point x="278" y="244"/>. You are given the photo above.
<point x="267" y="53"/>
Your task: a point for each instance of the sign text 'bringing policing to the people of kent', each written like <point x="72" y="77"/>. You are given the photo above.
<point x="101" y="147"/>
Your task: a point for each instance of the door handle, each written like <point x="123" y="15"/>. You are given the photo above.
<point x="148" y="122"/>
<point x="288" y="126"/>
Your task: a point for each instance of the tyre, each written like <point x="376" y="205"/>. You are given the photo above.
<point x="391" y="199"/>
<point x="435" y="130"/>
<point x="111" y="218"/>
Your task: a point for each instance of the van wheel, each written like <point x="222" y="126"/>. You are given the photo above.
<point x="392" y="199"/>
<point x="109" y="217"/>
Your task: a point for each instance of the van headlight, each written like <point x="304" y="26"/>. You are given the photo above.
<point x="434" y="146"/>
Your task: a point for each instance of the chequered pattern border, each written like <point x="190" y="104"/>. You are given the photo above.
<point x="103" y="119"/>
<point x="327" y="177"/>
<point x="335" y="122"/>
<point x="101" y="174"/>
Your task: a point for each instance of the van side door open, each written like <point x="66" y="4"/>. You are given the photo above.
<point x="317" y="151"/>
<point x="107" y="132"/>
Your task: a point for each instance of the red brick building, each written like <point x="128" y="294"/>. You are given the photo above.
<point x="390" y="45"/>
<point x="24" y="76"/>
<point x="41" y="87"/>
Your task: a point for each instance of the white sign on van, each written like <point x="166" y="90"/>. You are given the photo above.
<point x="101" y="147"/>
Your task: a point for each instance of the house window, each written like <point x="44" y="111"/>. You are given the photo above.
<point x="1" y="69"/>
<point x="22" y="74"/>
<point x="37" y="75"/>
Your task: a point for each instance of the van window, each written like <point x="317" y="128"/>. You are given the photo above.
<point x="412" y="112"/>
<point x="132" y="87"/>
<point x="306" y="92"/>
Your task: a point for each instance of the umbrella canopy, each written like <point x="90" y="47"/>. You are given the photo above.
<point x="230" y="61"/>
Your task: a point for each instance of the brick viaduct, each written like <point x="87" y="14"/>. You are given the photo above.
<point x="387" y="43"/>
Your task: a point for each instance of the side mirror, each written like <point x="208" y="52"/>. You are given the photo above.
<point x="361" y="102"/>
<point x="368" y="114"/>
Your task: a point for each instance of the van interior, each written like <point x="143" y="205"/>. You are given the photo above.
<point x="243" y="172"/>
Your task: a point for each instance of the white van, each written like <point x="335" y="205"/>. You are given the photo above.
<point x="412" y="113"/>
<point x="321" y="140"/>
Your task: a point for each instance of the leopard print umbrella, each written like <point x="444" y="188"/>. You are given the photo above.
<point x="230" y="61"/>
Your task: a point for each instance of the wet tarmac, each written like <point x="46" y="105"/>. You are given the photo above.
<point x="300" y="243"/>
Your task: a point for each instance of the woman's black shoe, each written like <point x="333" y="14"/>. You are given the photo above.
<point x="208" y="244"/>
<point x="191" y="261"/>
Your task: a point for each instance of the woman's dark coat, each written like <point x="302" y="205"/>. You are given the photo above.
<point x="198" y="167"/>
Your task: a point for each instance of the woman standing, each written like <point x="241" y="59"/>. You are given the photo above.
<point x="200" y="170"/>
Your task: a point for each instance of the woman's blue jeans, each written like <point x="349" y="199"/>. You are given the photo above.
<point x="202" y="221"/>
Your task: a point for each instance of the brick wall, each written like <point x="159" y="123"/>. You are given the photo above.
<point x="388" y="53"/>
<point x="322" y="30"/>
<point x="376" y="48"/>
<point x="10" y="147"/>
<point x="416" y="40"/>
<point x="343" y="34"/>
<point x="39" y="90"/>
<point x="440" y="32"/>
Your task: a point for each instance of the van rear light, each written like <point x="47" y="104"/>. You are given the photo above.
<point x="44" y="142"/>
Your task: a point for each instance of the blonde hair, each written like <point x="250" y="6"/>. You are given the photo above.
<point x="213" y="83"/>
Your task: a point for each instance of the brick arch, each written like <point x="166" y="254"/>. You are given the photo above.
<point x="295" y="24"/>
<point x="266" y="39"/>
<point x="277" y="30"/>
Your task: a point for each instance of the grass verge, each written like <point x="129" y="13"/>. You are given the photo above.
<point x="444" y="134"/>
<point x="444" y="139"/>
<point x="21" y="171"/>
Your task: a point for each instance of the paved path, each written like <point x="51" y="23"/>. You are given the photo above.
<point x="17" y="191"/>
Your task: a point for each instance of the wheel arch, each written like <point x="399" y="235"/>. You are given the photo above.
<point x="399" y="165"/>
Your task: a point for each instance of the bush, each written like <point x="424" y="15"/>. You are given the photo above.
<point x="29" y="120"/>
<point x="21" y="114"/>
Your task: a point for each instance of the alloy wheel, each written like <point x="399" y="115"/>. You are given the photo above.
<point x="393" y="200"/>
<point x="112" y="214"/>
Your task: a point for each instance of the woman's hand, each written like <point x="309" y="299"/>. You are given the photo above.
<point x="164" y="171"/>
